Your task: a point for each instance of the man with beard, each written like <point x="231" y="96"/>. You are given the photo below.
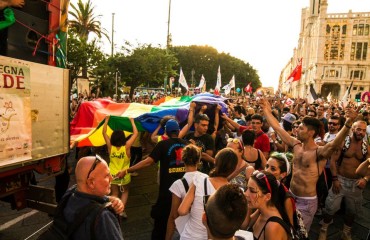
<point x="347" y="184"/>
<point x="309" y="158"/>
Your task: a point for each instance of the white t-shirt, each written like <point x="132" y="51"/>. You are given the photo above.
<point x="194" y="228"/>
<point x="244" y="235"/>
<point x="178" y="189"/>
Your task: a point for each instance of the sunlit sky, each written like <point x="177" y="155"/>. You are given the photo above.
<point x="260" y="32"/>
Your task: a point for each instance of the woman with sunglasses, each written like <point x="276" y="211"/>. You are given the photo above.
<point x="119" y="155"/>
<point x="243" y="170"/>
<point x="263" y="195"/>
<point x="199" y="191"/>
<point x="252" y="155"/>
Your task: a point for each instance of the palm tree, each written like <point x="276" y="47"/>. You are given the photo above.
<point x="85" y="22"/>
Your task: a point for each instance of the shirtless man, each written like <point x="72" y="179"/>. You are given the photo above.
<point x="309" y="159"/>
<point x="347" y="183"/>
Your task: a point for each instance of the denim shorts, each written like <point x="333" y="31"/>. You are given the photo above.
<point x="352" y="197"/>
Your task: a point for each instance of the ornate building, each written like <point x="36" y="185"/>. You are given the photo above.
<point x="334" y="48"/>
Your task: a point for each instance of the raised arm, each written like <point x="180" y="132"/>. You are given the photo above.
<point x="105" y="135"/>
<point x="327" y="150"/>
<point x="274" y="123"/>
<point x="134" y="135"/>
<point x="186" y="128"/>
<point x="217" y="121"/>
<point x="231" y="122"/>
<point x="154" y="136"/>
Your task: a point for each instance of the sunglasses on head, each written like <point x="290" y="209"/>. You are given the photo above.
<point x="98" y="159"/>
<point x="260" y="176"/>
<point x="236" y="141"/>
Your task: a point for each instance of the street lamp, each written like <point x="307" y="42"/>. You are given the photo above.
<point x="117" y="72"/>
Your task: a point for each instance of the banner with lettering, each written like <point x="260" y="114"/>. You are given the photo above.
<point x="15" y="113"/>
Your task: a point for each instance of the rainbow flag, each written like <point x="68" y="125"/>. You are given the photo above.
<point x="86" y="127"/>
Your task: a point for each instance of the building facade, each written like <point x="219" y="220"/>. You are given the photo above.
<point x="334" y="48"/>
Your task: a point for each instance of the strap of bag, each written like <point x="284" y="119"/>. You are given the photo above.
<point x="205" y="187"/>
<point x="186" y="185"/>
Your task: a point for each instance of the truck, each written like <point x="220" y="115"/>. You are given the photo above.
<point x="34" y="107"/>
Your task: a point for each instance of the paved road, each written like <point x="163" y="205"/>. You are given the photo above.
<point x="143" y="193"/>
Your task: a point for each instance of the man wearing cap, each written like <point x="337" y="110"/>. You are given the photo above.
<point x="168" y="152"/>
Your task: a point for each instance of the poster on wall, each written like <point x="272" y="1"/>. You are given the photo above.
<point x="15" y="114"/>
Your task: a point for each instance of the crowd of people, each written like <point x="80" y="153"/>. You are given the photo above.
<point x="261" y="171"/>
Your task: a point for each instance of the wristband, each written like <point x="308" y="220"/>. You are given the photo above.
<point x="347" y="126"/>
<point x="126" y="171"/>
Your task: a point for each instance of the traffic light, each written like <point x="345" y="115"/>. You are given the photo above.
<point x="358" y="97"/>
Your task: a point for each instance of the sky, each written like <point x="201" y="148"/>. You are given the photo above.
<point x="262" y="33"/>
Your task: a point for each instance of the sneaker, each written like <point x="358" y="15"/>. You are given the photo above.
<point x="123" y="215"/>
<point x="134" y="174"/>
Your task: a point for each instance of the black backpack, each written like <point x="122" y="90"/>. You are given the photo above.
<point x="61" y="230"/>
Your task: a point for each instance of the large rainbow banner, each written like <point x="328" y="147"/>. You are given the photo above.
<point x="87" y="125"/>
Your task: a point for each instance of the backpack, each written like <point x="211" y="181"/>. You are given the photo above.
<point x="61" y="230"/>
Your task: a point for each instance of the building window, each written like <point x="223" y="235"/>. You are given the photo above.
<point x="354" y="88"/>
<point x="357" y="74"/>
<point x="335" y="42"/>
<point x="361" y="30"/>
<point x="331" y="73"/>
<point x="361" y="88"/>
<point x="359" y="51"/>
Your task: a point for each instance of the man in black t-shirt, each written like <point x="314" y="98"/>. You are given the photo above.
<point x="202" y="139"/>
<point x="168" y="152"/>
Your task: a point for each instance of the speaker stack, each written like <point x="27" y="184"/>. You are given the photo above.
<point x="22" y="38"/>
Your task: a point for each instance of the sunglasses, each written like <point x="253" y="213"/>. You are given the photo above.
<point x="334" y="124"/>
<point x="98" y="159"/>
<point x="260" y="176"/>
<point x="296" y="126"/>
<point x="236" y="141"/>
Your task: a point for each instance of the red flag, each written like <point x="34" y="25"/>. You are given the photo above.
<point x="248" y="88"/>
<point x="296" y="74"/>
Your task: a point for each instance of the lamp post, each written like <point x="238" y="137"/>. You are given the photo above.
<point x="117" y="72"/>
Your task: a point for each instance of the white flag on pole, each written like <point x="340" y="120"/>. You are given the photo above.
<point x="202" y="81"/>
<point x="232" y="82"/>
<point x="218" y="83"/>
<point x="182" y="80"/>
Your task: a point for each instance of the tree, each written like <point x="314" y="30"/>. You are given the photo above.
<point x="145" y="65"/>
<point x="83" y="23"/>
<point x="82" y="55"/>
<point x="205" y="60"/>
